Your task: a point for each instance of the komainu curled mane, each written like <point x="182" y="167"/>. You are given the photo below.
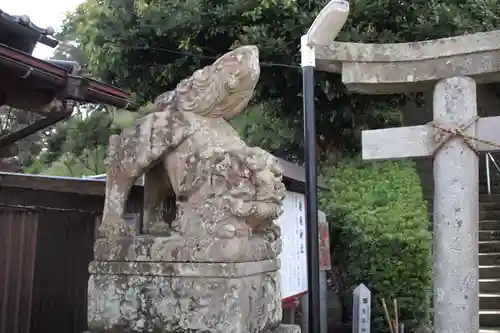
<point x="224" y="189"/>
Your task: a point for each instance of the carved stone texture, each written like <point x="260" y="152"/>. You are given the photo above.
<point x="227" y="193"/>
<point x="416" y="66"/>
<point x="185" y="249"/>
<point x="162" y="297"/>
<point x="213" y="267"/>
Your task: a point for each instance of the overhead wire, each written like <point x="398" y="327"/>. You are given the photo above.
<point x="201" y="56"/>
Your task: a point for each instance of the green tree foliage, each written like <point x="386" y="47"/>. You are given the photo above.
<point x="78" y="146"/>
<point x="259" y="126"/>
<point x="147" y="46"/>
<point x="12" y="120"/>
<point x="380" y="234"/>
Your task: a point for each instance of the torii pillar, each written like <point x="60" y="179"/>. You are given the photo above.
<point x="453" y="67"/>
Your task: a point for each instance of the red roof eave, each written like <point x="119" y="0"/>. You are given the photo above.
<point x="26" y="59"/>
<point x="97" y="92"/>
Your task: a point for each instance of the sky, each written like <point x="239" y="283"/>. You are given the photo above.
<point x="43" y="13"/>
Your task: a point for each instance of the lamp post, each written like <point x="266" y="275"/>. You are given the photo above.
<point x="323" y="31"/>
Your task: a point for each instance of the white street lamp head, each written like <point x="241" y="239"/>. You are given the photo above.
<point x="328" y="23"/>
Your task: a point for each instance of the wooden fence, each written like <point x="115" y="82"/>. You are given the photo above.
<point x="47" y="228"/>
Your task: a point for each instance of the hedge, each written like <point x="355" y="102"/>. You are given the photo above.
<point x="380" y="235"/>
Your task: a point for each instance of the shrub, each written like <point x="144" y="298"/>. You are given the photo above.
<point x="380" y="235"/>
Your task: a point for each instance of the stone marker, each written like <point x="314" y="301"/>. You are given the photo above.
<point x="452" y="67"/>
<point x="361" y="309"/>
<point x="213" y="267"/>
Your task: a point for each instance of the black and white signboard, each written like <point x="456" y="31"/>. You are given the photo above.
<point x="293" y="257"/>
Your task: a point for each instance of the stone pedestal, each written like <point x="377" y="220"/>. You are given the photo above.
<point x="184" y="297"/>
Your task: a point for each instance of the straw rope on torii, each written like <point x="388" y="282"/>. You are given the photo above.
<point x="443" y="134"/>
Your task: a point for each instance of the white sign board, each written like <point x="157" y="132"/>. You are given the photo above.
<point x="293" y="257"/>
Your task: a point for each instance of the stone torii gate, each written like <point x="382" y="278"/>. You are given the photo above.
<point x="452" y="67"/>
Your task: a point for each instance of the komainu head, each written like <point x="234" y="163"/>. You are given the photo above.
<point x="221" y="90"/>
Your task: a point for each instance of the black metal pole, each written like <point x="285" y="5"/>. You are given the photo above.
<point x="311" y="199"/>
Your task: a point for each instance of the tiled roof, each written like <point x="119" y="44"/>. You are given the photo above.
<point x="23" y="26"/>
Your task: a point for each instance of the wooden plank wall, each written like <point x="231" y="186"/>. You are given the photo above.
<point x="18" y="236"/>
<point x="47" y="230"/>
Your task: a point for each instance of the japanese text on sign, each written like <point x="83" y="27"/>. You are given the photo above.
<point x="293" y="272"/>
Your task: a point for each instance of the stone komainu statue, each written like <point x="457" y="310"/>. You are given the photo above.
<point x="227" y="193"/>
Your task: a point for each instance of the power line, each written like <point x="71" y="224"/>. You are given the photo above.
<point x="201" y="56"/>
